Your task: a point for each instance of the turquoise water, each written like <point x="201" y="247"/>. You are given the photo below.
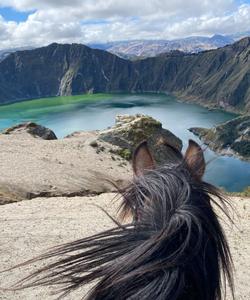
<point x="67" y="114"/>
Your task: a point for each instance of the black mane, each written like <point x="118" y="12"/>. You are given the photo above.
<point x="174" y="248"/>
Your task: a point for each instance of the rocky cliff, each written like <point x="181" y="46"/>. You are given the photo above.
<point x="60" y="70"/>
<point x="230" y="138"/>
<point x="215" y="78"/>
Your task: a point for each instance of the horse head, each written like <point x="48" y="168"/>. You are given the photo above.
<point x="174" y="248"/>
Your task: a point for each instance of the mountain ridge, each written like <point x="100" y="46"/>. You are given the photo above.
<point x="214" y="78"/>
<point x="141" y="48"/>
<point x="136" y="49"/>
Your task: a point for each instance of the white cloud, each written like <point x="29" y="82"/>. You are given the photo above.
<point x="97" y="20"/>
<point x="27" y="5"/>
<point x="124" y="8"/>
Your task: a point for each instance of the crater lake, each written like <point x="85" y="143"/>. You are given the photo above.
<point x="65" y="115"/>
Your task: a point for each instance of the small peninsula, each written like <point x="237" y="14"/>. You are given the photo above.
<point x="230" y="138"/>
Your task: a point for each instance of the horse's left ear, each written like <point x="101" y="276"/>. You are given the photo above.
<point x="142" y="159"/>
<point x="195" y="159"/>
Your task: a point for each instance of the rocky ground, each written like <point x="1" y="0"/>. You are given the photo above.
<point x="28" y="228"/>
<point x="31" y="167"/>
<point x="34" y="163"/>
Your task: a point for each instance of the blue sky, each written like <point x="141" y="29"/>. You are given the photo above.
<point x="11" y="14"/>
<point x="243" y="1"/>
<point x="40" y="22"/>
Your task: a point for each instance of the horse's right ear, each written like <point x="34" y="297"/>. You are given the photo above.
<point x="195" y="159"/>
<point x="142" y="159"/>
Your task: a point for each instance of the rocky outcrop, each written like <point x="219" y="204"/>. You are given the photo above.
<point x="129" y="131"/>
<point x="214" y="78"/>
<point x="84" y="163"/>
<point x="230" y="138"/>
<point x="33" y="129"/>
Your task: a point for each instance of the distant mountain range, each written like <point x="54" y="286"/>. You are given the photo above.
<point x="150" y="48"/>
<point x="138" y="49"/>
<point x="215" y="78"/>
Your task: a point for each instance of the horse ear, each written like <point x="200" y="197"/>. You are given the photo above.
<point x="142" y="159"/>
<point x="195" y="159"/>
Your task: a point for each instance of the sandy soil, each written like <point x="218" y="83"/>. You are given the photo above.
<point x="31" y="167"/>
<point x="28" y="228"/>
